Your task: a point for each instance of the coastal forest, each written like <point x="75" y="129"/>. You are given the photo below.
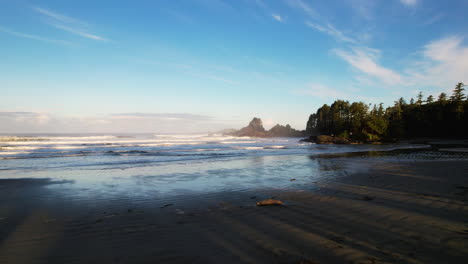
<point x="442" y="117"/>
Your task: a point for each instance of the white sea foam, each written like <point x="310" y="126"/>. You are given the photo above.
<point x="8" y="153"/>
<point x="250" y="148"/>
<point x="159" y="147"/>
<point x="274" y="147"/>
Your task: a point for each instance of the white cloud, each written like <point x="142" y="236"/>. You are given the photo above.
<point x="434" y="19"/>
<point x="196" y="69"/>
<point x="365" y="60"/>
<point x="409" y="2"/>
<point x="163" y="116"/>
<point x="34" y="37"/>
<point x="443" y="63"/>
<point x="320" y="23"/>
<point x="363" y="8"/>
<point x="38" y="122"/>
<point x="211" y="77"/>
<point x="332" y="31"/>
<point x="68" y="24"/>
<point x="79" y="33"/>
<point x="21" y="118"/>
<point x="443" y="50"/>
<point x="58" y="17"/>
<point x="304" y="7"/>
<point x="277" y="17"/>
<point x="440" y="65"/>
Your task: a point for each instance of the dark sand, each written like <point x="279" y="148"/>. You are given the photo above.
<point x="378" y="211"/>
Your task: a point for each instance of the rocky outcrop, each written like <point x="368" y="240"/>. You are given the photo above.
<point x="256" y="129"/>
<point x="285" y="131"/>
<point x="323" y="139"/>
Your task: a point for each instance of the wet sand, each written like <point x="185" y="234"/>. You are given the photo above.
<point x="375" y="210"/>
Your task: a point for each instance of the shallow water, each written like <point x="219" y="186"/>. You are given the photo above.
<point x="165" y="167"/>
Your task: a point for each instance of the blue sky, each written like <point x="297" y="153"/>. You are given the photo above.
<point x="203" y="65"/>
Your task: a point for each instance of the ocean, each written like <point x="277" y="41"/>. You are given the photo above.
<point x="164" y="167"/>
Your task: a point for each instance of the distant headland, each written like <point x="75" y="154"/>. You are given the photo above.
<point x="256" y="129"/>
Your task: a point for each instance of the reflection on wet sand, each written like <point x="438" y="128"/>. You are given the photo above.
<point x="352" y="210"/>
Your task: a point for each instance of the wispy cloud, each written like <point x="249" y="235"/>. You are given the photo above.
<point x="409" y="2"/>
<point x="79" y="33"/>
<point x="277" y="17"/>
<point x="31" y="118"/>
<point x="58" y="17"/>
<point x="163" y="116"/>
<point x="68" y="24"/>
<point x="434" y="19"/>
<point x="304" y="7"/>
<point x="332" y="31"/>
<point x="34" y="37"/>
<point x="140" y="122"/>
<point x="320" y="23"/>
<point x="443" y="62"/>
<point x="195" y="69"/>
<point x="212" y="77"/>
<point x="363" y="8"/>
<point x="365" y="60"/>
<point x="14" y="114"/>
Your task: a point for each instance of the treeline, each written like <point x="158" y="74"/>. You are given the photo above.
<point x="444" y="117"/>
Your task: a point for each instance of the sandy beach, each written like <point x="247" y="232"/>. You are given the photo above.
<point x="373" y="210"/>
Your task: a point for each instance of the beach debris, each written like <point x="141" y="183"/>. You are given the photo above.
<point x="166" y="205"/>
<point x="367" y="198"/>
<point x="269" y="202"/>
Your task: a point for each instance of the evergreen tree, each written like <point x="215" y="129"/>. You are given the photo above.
<point x="401" y="102"/>
<point x="442" y="97"/>
<point x="430" y="99"/>
<point x="458" y="95"/>
<point x="312" y="124"/>
<point x="420" y="98"/>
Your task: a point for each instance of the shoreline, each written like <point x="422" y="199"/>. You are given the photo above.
<point x="372" y="210"/>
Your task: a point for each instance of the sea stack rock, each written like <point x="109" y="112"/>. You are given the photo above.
<point x="254" y="129"/>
